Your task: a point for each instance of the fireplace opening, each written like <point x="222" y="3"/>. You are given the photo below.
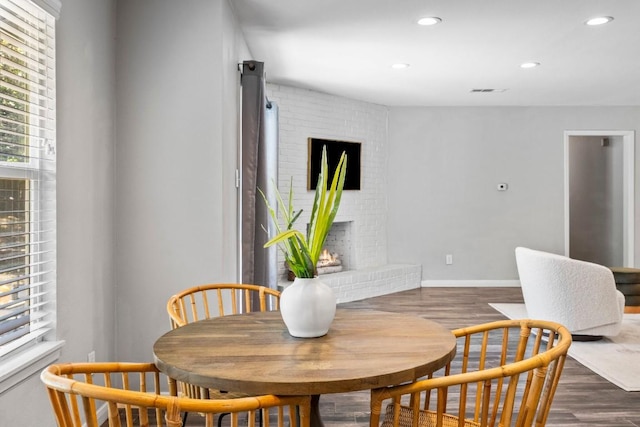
<point x="339" y="242"/>
<point x="337" y="251"/>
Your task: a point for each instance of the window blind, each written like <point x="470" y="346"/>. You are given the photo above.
<point x="27" y="174"/>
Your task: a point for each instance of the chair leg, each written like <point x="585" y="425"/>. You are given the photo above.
<point x="578" y="337"/>
<point x="184" y="419"/>
<point x="226" y="413"/>
<point x="220" y="418"/>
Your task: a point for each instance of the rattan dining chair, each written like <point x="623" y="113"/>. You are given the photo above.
<point x="505" y="373"/>
<point x="219" y="299"/>
<point x="214" y="300"/>
<point x="137" y="394"/>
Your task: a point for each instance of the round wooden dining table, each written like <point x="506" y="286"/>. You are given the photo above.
<point x="253" y="353"/>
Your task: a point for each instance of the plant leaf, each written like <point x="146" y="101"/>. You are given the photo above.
<point x="302" y="252"/>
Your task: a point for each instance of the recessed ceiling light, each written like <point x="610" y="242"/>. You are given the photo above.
<point x="400" y="66"/>
<point x="430" y="20"/>
<point x="529" y="64"/>
<point x="487" y="90"/>
<point x="599" y="20"/>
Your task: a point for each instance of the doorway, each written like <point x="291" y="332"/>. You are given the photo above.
<point x="599" y="196"/>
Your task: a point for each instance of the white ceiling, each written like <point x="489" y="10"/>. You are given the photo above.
<point x="346" y="48"/>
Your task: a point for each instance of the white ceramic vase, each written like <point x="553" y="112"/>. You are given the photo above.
<point x="308" y="307"/>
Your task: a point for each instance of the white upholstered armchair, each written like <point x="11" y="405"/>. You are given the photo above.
<point x="577" y="294"/>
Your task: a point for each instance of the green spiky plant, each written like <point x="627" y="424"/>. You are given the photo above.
<point x="302" y="252"/>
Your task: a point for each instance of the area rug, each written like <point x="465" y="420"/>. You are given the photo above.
<point x="617" y="359"/>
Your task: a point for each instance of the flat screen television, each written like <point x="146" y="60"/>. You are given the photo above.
<point x="334" y="151"/>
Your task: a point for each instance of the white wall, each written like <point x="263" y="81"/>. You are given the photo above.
<point x="176" y="158"/>
<point x="444" y="166"/>
<point x="303" y="114"/>
<point x="85" y="201"/>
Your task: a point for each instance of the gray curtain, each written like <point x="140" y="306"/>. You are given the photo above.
<point x="259" y="170"/>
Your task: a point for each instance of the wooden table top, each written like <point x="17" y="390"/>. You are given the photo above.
<point x="254" y="353"/>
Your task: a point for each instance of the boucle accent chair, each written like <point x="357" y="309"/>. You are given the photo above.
<point x="580" y="295"/>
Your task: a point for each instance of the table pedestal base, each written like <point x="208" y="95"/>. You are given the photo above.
<point x="315" y="420"/>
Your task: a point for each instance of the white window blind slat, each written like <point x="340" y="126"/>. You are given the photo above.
<point x="33" y="236"/>
<point x="32" y="285"/>
<point x="32" y="290"/>
<point x="24" y="47"/>
<point x="17" y="327"/>
<point x="14" y="319"/>
<point x="10" y="326"/>
<point x="34" y="98"/>
<point x="14" y="270"/>
<point x="27" y="174"/>
<point x="12" y="291"/>
<point x="26" y="277"/>
<point x="23" y="341"/>
<point x="17" y="74"/>
<point x="25" y="309"/>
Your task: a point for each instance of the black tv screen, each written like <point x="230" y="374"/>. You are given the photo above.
<point x="334" y="151"/>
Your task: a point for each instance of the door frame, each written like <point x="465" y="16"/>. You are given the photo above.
<point x="628" y="188"/>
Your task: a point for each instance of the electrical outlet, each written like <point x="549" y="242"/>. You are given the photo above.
<point x="449" y="259"/>
<point x="91" y="357"/>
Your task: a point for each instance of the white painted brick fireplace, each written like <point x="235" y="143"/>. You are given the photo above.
<point x="303" y="114"/>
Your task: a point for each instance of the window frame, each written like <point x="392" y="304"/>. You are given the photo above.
<point x="18" y="362"/>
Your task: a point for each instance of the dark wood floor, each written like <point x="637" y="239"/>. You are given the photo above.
<point x="583" y="398"/>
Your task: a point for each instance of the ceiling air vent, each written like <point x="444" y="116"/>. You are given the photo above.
<point x="486" y="90"/>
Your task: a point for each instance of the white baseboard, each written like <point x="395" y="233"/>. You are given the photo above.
<point x="470" y="283"/>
